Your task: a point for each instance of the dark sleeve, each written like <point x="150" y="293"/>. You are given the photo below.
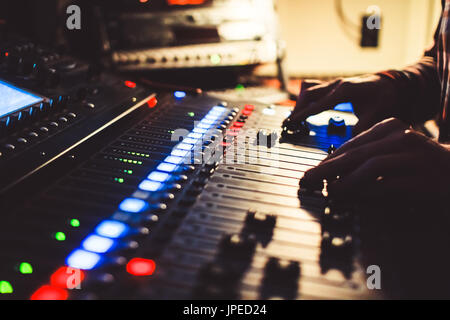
<point x="418" y="87"/>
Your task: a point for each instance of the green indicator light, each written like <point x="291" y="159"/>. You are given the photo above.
<point x="60" y="236"/>
<point x="191" y="114"/>
<point x="216" y="59"/>
<point x="240" y="87"/>
<point x="25" y="268"/>
<point x="75" y="223"/>
<point x="171" y="131"/>
<point x="6" y="287"/>
<point x="129" y="171"/>
<point x="119" y="180"/>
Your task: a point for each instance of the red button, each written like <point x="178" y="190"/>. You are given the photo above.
<point x="66" y="277"/>
<point x="249" y="107"/>
<point x="152" y="102"/>
<point x="141" y="267"/>
<point x="50" y="293"/>
<point x="130" y="84"/>
<point x="238" y="124"/>
<point x="246" y="112"/>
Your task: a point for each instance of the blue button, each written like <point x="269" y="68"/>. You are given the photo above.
<point x="159" y="176"/>
<point x="84" y="260"/>
<point x="97" y="244"/>
<point x="111" y="229"/>
<point x="150" y="186"/>
<point x="133" y="205"/>
<point x="167" y="167"/>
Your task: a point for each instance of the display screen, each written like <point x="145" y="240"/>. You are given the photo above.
<point x="13" y="99"/>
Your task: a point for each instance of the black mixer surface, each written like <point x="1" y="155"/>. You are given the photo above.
<point x="192" y="198"/>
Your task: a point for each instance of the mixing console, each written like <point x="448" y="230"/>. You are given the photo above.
<point x="109" y="191"/>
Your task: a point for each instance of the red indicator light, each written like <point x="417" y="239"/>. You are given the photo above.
<point x="152" y="102"/>
<point x="6" y="54"/>
<point x="141" y="267"/>
<point x="249" y="107"/>
<point x="130" y="84"/>
<point x="246" y="112"/>
<point x="238" y="124"/>
<point x="67" y="278"/>
<point x="50" y="293"/>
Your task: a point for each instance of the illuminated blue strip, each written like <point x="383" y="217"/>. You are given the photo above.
<point x="89" y="255"/>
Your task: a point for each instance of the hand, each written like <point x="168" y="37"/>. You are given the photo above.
<point x="373" y="98"/>
<point x="390" y="159"/>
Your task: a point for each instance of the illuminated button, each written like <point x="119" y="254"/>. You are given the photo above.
<point x="184" y="146"/>
<point x="218" y="109"/>
<point x="204" y="125"/>
<point x="190" y="141"/>
<point x="208" y="121"/>
<point x="211" y="117"/>
<point x="238" y="124"/>
<point x="174" y="160"/>
<point x="83" y="260"/>
<point x="111" y="229"/>
<point x="194" y="135"/>
<point x="159" y="176"/>
<point x="66" y="277"/>
<point x="97" y="244"/>
<point x="179" y="153"/>
<point x="50" y="293"/>
<point x="133" y="205"/>
<point x="141" y="267"/>
<point x="246" y="113"/>
<point x="249" y="107"/>
<point x="167" y="167"/>
<point x="179" y="94"/>
<point x="150" y="186"/>
<point x="200" y="130"/>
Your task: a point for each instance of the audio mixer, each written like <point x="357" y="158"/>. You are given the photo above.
<point x="111" y="190"/>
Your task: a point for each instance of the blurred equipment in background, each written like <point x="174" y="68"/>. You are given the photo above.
<point x="170" y="34"/>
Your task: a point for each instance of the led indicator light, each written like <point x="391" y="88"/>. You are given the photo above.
<point x="191" y="114"/>
<point x="75" y="223"/>
<point x="6" y="287"/>
<point x="130" y="84"/>
<point x="97" y="244"/>
<point x="133" y="205"/>
<point x="216" y="59"/>
<point x="141" y="267"/>
<point x="60" y="236"/>
<point x="25" y="268"/>
<point x="50" y="293"/>
<point x="111" y="229"/>
<point x="84" y="260"/>
<point x="179" y="94"/>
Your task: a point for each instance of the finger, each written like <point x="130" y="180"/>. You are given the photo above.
<point x="365" y="123"/>
<point x="310" y="95"/>
<point x="377" y="132"/>
<point x="335" y="96"/>
<point x="347" y="162"/>
<point x="372" y="172"/>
